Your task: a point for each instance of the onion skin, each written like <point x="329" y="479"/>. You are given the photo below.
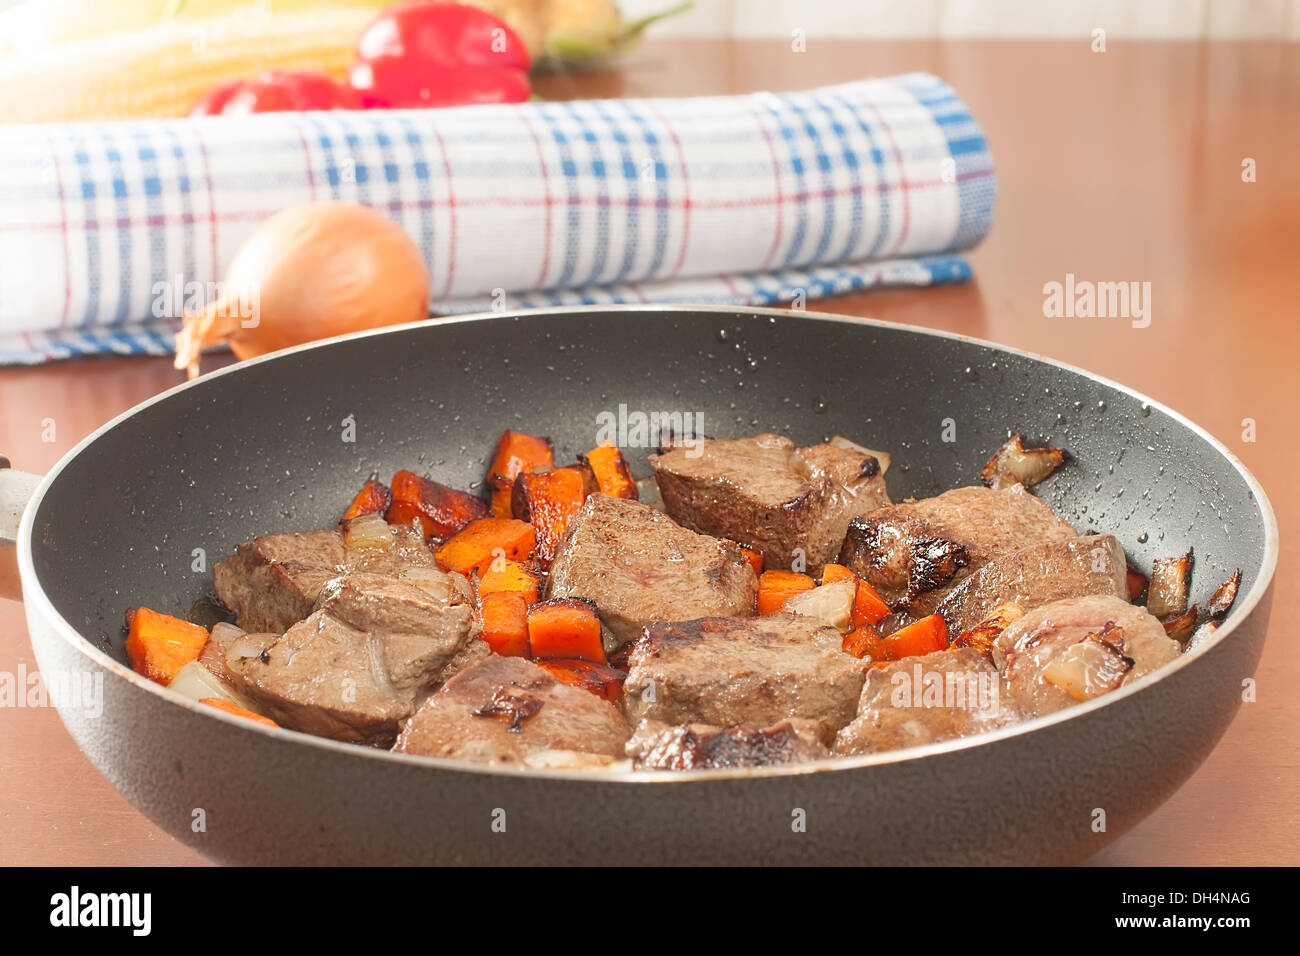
<point x="311" y="272"/>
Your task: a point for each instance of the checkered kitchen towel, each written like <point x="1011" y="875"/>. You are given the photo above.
<point x="745" y="199"/>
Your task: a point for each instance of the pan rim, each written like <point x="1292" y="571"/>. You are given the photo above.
<point x="39" y="603"/>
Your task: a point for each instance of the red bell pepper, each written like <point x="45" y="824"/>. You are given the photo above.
<point x="439" y="54"/>
<point x="277" y="91"/>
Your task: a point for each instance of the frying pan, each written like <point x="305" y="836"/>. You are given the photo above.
<point x="175" y="484"/>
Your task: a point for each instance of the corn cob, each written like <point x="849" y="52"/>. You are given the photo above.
<point x="40" y="24"/>
<point x="164" y="70"/>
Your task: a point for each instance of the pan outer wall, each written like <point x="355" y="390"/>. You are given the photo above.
<point x="261" y="449"/>
<point x="1030" y="798"/>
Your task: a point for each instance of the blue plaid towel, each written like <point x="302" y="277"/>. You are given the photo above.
<point x="107" y="228"/>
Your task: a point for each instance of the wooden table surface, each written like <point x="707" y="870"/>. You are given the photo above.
<point x="1119" y="166"/>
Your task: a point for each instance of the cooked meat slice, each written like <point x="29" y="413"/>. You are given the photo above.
<point x="731" y="671"/>
<point x="1078" y="648"/>
<point x="415" y="633"/>
<point x="507" y="710"/>
<point x="1038" y="575"/>
<point x="352" y="669"/>
<point x="639" y="567"/>
<point x="657" y="746"/>
<point x="766" y="494"/>
<point x="474" y="651"/>
<point x="915" y="552"/>
<point x="922" y="700"/>
<point x="272" y="582"/>
<point x="321" y="677"/>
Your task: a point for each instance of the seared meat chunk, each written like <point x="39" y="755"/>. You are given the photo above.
<point x="353" y="668"/>
<point x="657" y="746"/>
<point x="417" y="633"/>
<point x="639" y="567"/>
<point x="1038" y="575"/>
<point x="507" y="710"/>
<point x="768" y="495"/>
<point x="922" y="700"/>
<point x="272" y="582"/>
<point x="756" y="671"/>
<point x="915" y="552"/>
<point x="1077" y="649"/>
<point x="319" y="677"/>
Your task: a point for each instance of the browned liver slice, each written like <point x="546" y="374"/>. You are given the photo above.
<point x="272" y="582"/>
<point x="754" y="671"/>
<point x="915" y="552"/>
<point x="923" y="700"/>
<point x="1038" y="575"/>
<point x="768" y="495"/>
<point x="1030" y="645"/>
<point x="639" y="566"/>
<point x="508" y="711"/>
<point x="657" y="746"/>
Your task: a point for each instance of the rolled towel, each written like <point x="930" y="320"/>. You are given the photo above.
<point x="108" y="229"/>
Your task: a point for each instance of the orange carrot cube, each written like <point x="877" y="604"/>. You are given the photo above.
<point x="159" y="645"/>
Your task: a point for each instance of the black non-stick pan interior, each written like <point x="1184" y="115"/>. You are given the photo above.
<point x="140" y="516"/>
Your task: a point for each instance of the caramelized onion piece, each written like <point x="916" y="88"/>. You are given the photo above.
<point x="1170" y="581"/>
<point x="830" y="604"/>
<point x="367" y="531"/>
<point x="198" y="683"/>
<point x="1092" y="667"/>
<point x="513" y="703"/>
<point x="1013" y="463"/>
<point x="983" y="634"/>
<point x="1223" y="599"/>
<point x="1180" y="628"/>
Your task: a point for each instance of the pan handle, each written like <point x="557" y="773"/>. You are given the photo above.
<point x="16" y="489"/>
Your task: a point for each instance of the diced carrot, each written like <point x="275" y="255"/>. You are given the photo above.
<point x="776" y="587"/>
<point x="548" y="500"/>
<point x="159" y="645"/>
<point x="236" y="710"/>
<point x="983" y="635"/>
<point x="864" y="641"/>
<point x="442" y="511"/>
<point x="613" y="476"/>
<point x="481" y="542"/>
<point x="868" y="606"/>
<point x="836" y="572"/>
<point x="516" y="452"/>
<point x="920" y="637"/>
<point x="505" y="623"/>
<point x="507" y="575"/>
<point x="565" y="627"/>
<point x="601" y="679"/>
<point x="373" y="498"/>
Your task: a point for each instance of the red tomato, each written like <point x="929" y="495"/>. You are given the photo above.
<point x="390" y="82"/>
<point x="443" y="34"/>
<point x="277" y="91"/>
